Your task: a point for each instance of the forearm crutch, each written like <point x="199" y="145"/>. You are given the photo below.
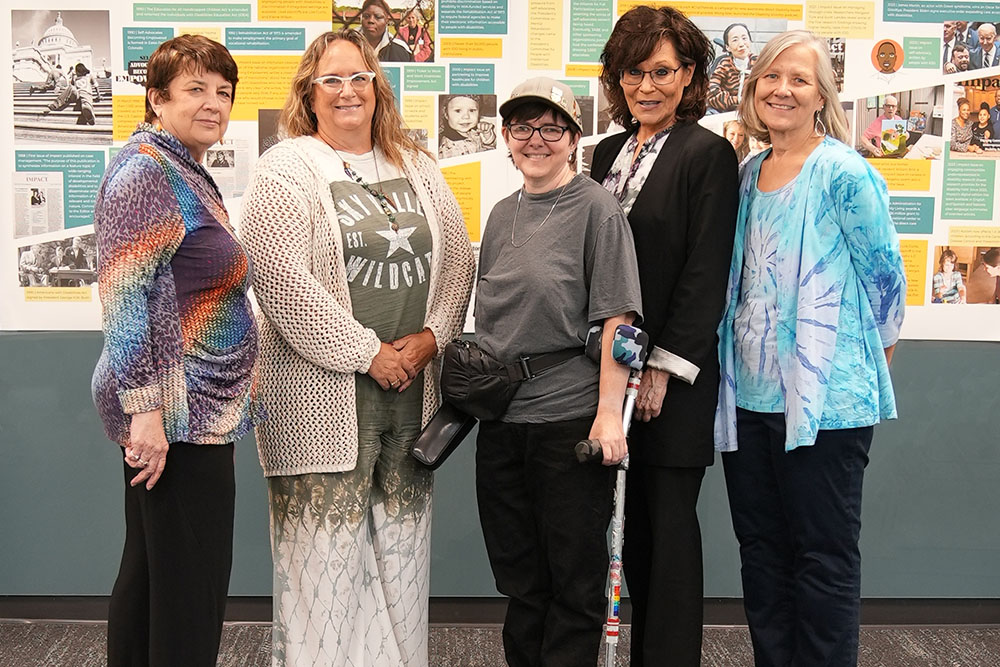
<point x="630" y="344"/>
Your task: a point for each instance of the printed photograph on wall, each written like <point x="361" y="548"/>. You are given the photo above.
<point x="901" y="124"/>
<point x="467" y="124"/>
<point x="966" y="274"/>
<point x="64" y="263"/>
<point x="968" y="45"/>
<point x="62" y="81"/>
<point x="399" y="31"/>
<point x="975" y="125"/>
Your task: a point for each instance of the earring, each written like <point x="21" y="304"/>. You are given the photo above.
<point x="818" y="126"/>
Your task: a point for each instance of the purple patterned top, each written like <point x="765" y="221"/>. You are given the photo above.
<point x="179" y="331"/>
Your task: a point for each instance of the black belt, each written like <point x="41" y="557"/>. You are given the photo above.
<point x="528" y="367"/>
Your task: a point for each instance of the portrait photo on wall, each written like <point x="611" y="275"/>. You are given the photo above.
<point x="466" y="124"/>
<point x="737" y="43"/>
<point x="968" y="45"/>
<point x="399" y="31"/>
<point x="901" y="124"/>
<point x="62" y="84"/>
<point x="966" y="274"/>
<point x="68" y="262"/>
<point x="975" y="125"/>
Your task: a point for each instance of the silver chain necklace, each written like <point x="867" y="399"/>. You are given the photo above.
<point x="541" y="224"/>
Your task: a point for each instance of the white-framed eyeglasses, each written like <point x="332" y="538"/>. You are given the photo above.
<point x="335" y="84"/>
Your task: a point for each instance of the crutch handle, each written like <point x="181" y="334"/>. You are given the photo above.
<point x="589" y="450"/>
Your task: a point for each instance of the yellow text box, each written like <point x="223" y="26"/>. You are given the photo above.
<point x="58" y="294"/>
<point x="973" y="236"/>
<point x="213" y="33"/>
<point x="545" y="34"/>
<point x="299" y="10"/>
<point x="127" y="111"/>
<point x="749" y="10"/>
<point x="834" y="18"/>
<point x="471" y="47"/>
<point x="914" y="254"/>
<point x="418" y="112"/>
<point x="465" y="181"/>
<point x="583" y="70"/>
<point x="904" y="174"/>
<point x="264" y="84"/>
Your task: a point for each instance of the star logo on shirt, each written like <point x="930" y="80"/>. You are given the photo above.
<point x="398" y="238"/>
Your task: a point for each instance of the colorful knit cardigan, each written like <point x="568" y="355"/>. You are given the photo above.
<point x="179" y="331"/>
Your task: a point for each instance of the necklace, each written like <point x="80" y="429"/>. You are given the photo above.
<point x="377" y="194"/>
<point x="541" y="224"/>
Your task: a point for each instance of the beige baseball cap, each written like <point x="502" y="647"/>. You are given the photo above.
<point x="548" y="91"/>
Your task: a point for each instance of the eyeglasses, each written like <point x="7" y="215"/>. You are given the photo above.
<point x="335" y="84"/>
<point x="661" y="76"/>
<point x="550" y="133"/>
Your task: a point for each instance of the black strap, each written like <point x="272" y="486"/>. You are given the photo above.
<point x="530" y="366"/>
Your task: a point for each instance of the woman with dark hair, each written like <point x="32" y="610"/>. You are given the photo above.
<point x="677" y="182"/>
<point x="557" y="258"/>
<point x="815" y="304"/>
<point x="982" y="131"/>
<point x="363" y="271"/>
<point x="174" y="384"/>
<point x="961" y="129"/>
<point x="725" y="87"/>
<point x="375" y="19"/>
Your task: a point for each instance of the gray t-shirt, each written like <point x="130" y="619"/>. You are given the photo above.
<point x="578" y="269"/>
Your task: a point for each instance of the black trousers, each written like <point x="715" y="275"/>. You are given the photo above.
<point x="663" y="565"/>
<point x="169" y="600"/>
<point x="545" y="520"/>
<point x="797" y="516"/>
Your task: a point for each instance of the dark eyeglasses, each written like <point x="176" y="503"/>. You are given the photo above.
<point x="550" y="133"/>
<point x="661" y="76"/>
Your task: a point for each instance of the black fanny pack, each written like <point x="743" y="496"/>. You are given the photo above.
<point x="481" y="386"/>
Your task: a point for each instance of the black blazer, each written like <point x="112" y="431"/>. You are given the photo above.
<point x="683" y="222"/>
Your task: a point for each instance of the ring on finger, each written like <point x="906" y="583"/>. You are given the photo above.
<point x="143" y="462"/>
<point x="135" y="457"/>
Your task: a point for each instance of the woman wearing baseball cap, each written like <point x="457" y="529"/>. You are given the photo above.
<point x="557" y="257"/>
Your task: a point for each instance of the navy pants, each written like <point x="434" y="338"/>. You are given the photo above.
<point x="797" y="516"/>
<point x="545" y="520"/>
<point x="169" y="600"/>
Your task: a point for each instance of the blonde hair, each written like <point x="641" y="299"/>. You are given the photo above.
<point x="297" y="117"/>
<point x="831" y="115"/>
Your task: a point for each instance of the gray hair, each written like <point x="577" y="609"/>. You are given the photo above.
<point x="832" y="114"/>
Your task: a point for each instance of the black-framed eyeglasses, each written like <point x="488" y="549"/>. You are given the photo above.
<point x="661" y="76"/>
<point x="550" y="133"/>
<point x="335" y="84"/>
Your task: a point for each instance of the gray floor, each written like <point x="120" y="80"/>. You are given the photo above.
<point x="81" y="644"/>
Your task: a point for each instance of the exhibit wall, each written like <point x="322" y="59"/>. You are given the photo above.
<point x="929" y="525"/>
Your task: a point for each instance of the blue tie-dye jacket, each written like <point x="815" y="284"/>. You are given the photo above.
<point x="840" y="296"/>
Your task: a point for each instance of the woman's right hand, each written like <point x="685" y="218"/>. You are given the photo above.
<point x="390" y="368"/>
<point x="147" y="447"/>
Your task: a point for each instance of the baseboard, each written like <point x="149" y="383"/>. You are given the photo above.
<point x="451" y="611"/>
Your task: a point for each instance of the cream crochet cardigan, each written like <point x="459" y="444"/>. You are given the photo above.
<point x="311" y="346"/>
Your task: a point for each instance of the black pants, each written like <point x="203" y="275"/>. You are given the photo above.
<point x="663" y="568"/>
<point x="797" y="516"/>
<point x="545" y="519"/>
<point x="169" y="600"/>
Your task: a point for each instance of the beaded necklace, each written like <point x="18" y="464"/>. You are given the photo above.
<point x="377" y="194"/>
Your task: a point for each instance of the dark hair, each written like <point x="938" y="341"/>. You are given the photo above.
<point x="187" y="53"/>
<point x="947" y="253"/>
<point x="962" y="100"/>
<point x="383" y="5"/>
<point x="959" y="47"/>
<point x="636" y="35"/>
<point x="533" y="110"/>
<point x="992" y="257"/>
<point x="725" y="33"/>
<point x="984" y="105"/>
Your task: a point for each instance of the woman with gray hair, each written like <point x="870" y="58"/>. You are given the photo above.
<point x="814" y="309"/>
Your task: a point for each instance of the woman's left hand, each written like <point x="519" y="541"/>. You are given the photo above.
<point x="419" y="349"/>
<point x="652" y="391"/>
<point x="607" y="429"/>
